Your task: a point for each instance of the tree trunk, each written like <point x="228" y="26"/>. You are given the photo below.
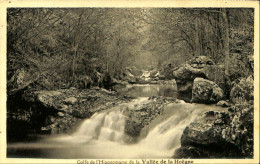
<point x="226" y="41"/>
<point x="227" y="61"/>
<point x="197" y="37"/>
<point x="75" y="51"/>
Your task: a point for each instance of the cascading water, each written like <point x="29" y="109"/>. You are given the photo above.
<point x="103" y="135"/>
<point x="105" y="126"/>
<point x="166" y="135"/>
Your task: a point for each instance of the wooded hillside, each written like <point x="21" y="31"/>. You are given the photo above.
<point x="68" y="45"/>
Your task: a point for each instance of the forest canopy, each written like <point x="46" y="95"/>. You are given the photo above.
<point x="66" y="44"/>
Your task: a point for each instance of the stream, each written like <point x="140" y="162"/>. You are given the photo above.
<point x="103" y="135"/>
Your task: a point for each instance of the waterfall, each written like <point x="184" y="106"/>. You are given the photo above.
<point x="103" y="135"/>
<point x="105" y="126"/>
<point x="105" y="131"/>
<point x="166" y="135"/>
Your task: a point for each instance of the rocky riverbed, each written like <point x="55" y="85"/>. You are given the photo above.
<point x="58" y="111"/>
<point x="217" y="134"/>
<point x="227" y="134"/>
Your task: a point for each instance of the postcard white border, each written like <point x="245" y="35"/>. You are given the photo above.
<point x="125" y="4"/>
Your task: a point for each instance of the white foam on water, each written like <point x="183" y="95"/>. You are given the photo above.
<point x="103" y="136"/>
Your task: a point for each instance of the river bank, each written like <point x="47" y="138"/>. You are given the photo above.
<point x="159" y="137"/>
<point x="66" y="110"/>
<point x="137" y="114"/>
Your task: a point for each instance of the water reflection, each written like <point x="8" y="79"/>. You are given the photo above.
<point x="149" y="90"/>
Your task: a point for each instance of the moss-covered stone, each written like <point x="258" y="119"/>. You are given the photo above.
<point x="205" y="91"/>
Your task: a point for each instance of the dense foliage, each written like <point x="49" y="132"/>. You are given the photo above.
<point x="55" y="57"/>
<point x="66" y="44"/>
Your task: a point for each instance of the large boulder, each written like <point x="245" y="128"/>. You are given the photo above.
<point x="47" y="98"/>
<point x="205" y="91"/>
<point x="201" y="132"/>
<point x="240" y="130"/>
<point x="243" y="90"/>
<point x="203" y="139"/>
<point x="200" y="66"/>
<point x="21" y="79"/>
<point x="219" y="134"/>
<point x="184" y="77"/>
<point x="58" y="111"/>
<point x="141" y="115"/>
<point x="216" y="73"/>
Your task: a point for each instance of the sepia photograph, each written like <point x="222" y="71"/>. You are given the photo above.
<point x="148" y="83"/>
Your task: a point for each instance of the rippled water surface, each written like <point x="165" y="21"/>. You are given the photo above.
<point x="146" y="90"/>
